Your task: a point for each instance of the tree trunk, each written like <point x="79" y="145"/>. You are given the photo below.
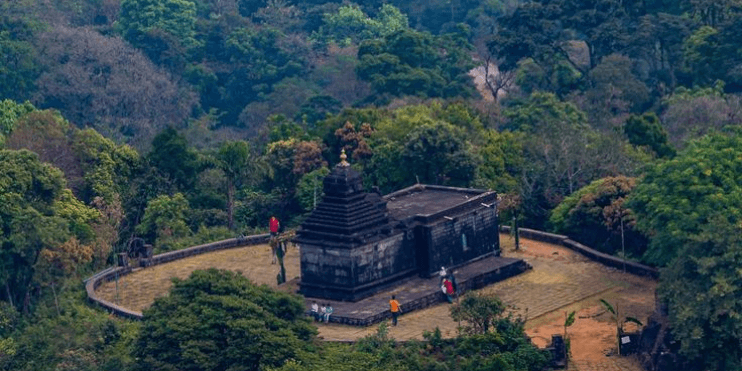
<point x="56" y="302"/>
<point x="10" y="297"/>
<point x="230" y="205"/>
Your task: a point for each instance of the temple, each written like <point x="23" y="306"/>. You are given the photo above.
<point x="357" y="243"/>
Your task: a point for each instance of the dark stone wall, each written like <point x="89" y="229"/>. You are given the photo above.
<point x="351" y="274"/>
<point x="468" y="236"/>
<point x="384" y="259"/>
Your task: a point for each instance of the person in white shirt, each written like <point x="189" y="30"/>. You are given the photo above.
<point x="315" y="311"/>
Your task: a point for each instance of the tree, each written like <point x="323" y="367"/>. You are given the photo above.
<point x="701" y="287"/>
<point x="165" y="220"/>
<point x="692" y="113"/>
<point x="561" y="152"/>
<point x="173" y="158"/>
<point x="479" y="311"/>
<point x="502" y="160"/>
<point x="140" y="17"/>
<point x="258" y="61"/>
<point x="408" y="62"/>
<point x="10" y="113"/>
<point x="235" y="160"/>
<point x="676" y="198"/>
<point x="219" y="320"/>
<point x="646" y="130"/>
<point x="615" y="90"/>
<point x="33" y="216"/>
<point x="93" y="165"/>
<point x="18" y="65"/>
<point x="350" y="25"/>
<point x="101" y="82"/>
<point x="593" y="214"/>
<point x="439" y="154"/>
<point x="309" y="190"/>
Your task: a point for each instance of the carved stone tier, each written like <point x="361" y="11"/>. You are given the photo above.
<point x="347" y="216"/>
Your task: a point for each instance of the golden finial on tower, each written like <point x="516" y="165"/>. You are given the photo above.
<point x="343" y="157"/>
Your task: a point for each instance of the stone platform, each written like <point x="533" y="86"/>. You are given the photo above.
<point x="417" y="293"/>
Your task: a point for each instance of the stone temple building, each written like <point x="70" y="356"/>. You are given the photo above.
<point x="358" y="243"/>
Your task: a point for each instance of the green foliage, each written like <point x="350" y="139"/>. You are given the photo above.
<point x="543" y="111"/>
<point x="438" y="154"/>
<point x="562" y="152"/>
<point x="240" y="169"/>
<point x="408" y="62"/>
<point x="702" y="289"/>
<point x="218" y="320"/>
<point x="309" y="190"/>
<point x="676" y="198"/>
<point x="10" y="112"/>
<point x="141" y="17"/>
<point x="165" y="220"/>
<point x="106" y="167"/>
<point x="30" y="196"/>
<point x="173" y="158"/>
<point x="502" y="160"/>
<point x="570" y="320"/>
<point x="646" y="130"/>
<point x="79" y="338"/>
<point x="593" y="214"/>
<point x="350" y="25"/>
<point x="695" y="54"/>
<point x="18" y="64"/>
<point x="481" y="312"/>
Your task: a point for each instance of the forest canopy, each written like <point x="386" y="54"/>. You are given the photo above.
<point x="187" y="121"/>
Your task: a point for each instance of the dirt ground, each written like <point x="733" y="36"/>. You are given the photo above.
<point x="593" y="334"/>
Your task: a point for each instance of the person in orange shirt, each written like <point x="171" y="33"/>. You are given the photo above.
<point x="394" y="307"/>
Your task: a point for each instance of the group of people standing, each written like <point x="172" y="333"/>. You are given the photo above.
<point x="322" y="314"/>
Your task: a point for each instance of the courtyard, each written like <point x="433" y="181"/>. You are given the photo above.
<point x="561" y="281"/>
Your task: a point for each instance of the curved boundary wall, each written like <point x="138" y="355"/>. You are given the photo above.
<point x="605" y="259"/>
<point x="111" y="274"/>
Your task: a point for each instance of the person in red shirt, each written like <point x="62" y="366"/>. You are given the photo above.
<point x="449" y="289"/>
<point x="274" y="226"/>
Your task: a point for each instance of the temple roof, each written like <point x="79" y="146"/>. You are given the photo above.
<point x="426" y="203"/>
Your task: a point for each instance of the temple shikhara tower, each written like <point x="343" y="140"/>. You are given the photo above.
<point x="358" y="243"/>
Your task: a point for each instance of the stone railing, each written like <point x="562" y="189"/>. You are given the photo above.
<point x="603" y="258"/>
<point x="111" y="274"/>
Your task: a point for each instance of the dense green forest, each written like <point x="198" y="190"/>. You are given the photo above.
<point x="186" y="121"/>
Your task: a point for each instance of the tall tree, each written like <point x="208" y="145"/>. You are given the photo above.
<point x="35" y="213"/>
<point x="234" y="159"/>
<point x="676" y="198"/>
<point x="703" y="289"/>
<point x="174" y="159"/>
<point x="219" y="320"/>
